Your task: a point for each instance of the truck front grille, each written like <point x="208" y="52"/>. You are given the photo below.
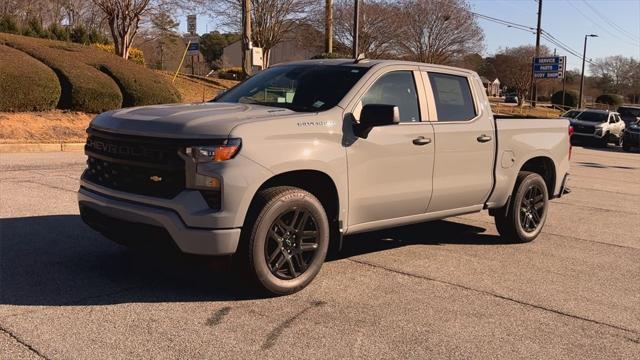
<point x="135" y="179"/>
<point x="138" y="165"/>
<point x="584" y="129"/>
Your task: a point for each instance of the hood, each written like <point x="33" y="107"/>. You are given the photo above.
<point x="198" y="120"/>
<point x="586" y="123"/>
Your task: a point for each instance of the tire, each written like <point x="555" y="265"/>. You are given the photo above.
<point x="278" y="252"/>
<point x="624" y="145"/>
<point x="523" y="219"/>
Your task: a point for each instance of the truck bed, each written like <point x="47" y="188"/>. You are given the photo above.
<point x="520" y="137"/>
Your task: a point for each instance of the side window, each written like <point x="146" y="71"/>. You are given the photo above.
<point x="395" y="88"/>
<point x="453" y="97"/>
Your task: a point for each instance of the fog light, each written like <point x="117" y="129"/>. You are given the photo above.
<point x="213" y="198"/>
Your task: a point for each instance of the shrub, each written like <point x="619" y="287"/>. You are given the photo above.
<point x="8" y="25"/>
<point x="57" y="32"/>
<point x="330" y="56"/>
<point x="84" y="88"/>
<point x="570" y="98"/>
<point x="136" y="55"/>
<point x="610" y="99"/>
<point x="79" y="34"/>
<point x="37" y="89"/>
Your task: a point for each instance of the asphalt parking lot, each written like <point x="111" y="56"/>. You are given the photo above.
<point x="447" y="289"/>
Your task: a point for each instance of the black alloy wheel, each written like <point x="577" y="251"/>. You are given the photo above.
<point x="522" y="220"/>
<point x="532" y="208"/>
<point x="292" y="243"/>
<point x="284" y="240"/>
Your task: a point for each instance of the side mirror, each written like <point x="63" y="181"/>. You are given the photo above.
<point x="373" y="115"/>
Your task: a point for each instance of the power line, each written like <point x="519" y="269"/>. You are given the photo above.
<point x="597" y="23"/>
<point x="613" y="24"/>
<point x="545" y="34"/>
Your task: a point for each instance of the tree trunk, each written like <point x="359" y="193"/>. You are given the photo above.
<point x="328" y="27"/>
<point x="247" y="65"/>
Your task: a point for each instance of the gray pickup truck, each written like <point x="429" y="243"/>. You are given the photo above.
<point x="282" y="166"/>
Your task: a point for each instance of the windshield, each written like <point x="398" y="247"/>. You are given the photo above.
<point x="632" y="112"/>
<point x="571" y="114"/>
<point x="305" y="88"/>
<point x="593" y="116"/>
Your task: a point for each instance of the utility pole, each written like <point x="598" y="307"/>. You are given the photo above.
<point x="328" y="27"/>
<point x="247" y="65"/>
<point x="534" y="90"/>
<point x="584" y="57"/>
<point x="356" y="26"/>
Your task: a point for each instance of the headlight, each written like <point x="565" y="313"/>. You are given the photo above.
<point x="214" y="153"/>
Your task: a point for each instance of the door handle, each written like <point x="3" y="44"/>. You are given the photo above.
<point x="421" y="140"/>
<point x="483" y="138"/>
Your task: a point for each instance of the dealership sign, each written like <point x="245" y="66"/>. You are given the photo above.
<point x="549" y="67"/>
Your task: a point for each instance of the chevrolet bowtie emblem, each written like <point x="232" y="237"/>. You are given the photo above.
<point x="155" y="178"/>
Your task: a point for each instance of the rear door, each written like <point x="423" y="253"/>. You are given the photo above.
<point x="390" y="171"/>
<point x="464" y="140"/>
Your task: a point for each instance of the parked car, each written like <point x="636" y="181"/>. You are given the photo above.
<point x="631" y="136"/>
<point x="511" y="99"/>
<point x="629" y="114"/>
<point x="571" y="114"/>
<point x="599" y="126"/>
<point x="284" y="164"/>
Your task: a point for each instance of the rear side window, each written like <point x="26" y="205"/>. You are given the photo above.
<point x="453" y="97"/>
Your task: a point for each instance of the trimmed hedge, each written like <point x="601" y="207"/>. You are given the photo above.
<point x="139" y="85"/>
<point x="37" y="89"/>
<point x="84" y="88"/>
<point x="570" y="99"/>
<point x="133" y="84"/>
<point x="610" y="99"/>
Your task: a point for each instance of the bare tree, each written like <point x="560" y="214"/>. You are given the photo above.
<point x="437" y="31"/>
<point x="123" y="17"/>
<point x="614" y="72"/>
<point x="513" y="68"/>
<point x="272" y="20"/>
<point x="378" y="30"/>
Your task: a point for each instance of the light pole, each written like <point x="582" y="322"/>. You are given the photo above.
<point x="584" y="56"/>
<point x="356" y="25"/>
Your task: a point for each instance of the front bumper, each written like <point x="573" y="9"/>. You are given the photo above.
<point x="101" y="209"/>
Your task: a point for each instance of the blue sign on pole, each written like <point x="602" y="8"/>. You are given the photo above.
<point x="549" y="67"/>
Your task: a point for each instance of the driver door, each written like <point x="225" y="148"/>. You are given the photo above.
<point x="390" y="172"/>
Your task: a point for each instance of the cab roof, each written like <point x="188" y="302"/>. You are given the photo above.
<point x="367" y="63"/>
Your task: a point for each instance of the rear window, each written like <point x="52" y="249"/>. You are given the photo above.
<point x="452" y="95"/>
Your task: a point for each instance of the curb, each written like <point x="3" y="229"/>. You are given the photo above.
<point x="30" y="148"/>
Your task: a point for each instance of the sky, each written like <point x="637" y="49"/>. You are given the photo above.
<point x="566" y="20"/>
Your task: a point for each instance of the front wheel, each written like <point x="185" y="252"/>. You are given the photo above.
<point x="285" y="240"/>
<point x="522" y="220"/>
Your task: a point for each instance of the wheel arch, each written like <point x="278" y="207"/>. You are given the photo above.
<point x="546" y="168"/>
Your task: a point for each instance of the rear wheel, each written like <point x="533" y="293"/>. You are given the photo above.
<point x="285" y="240"/>
<point x="523" y="219"/>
